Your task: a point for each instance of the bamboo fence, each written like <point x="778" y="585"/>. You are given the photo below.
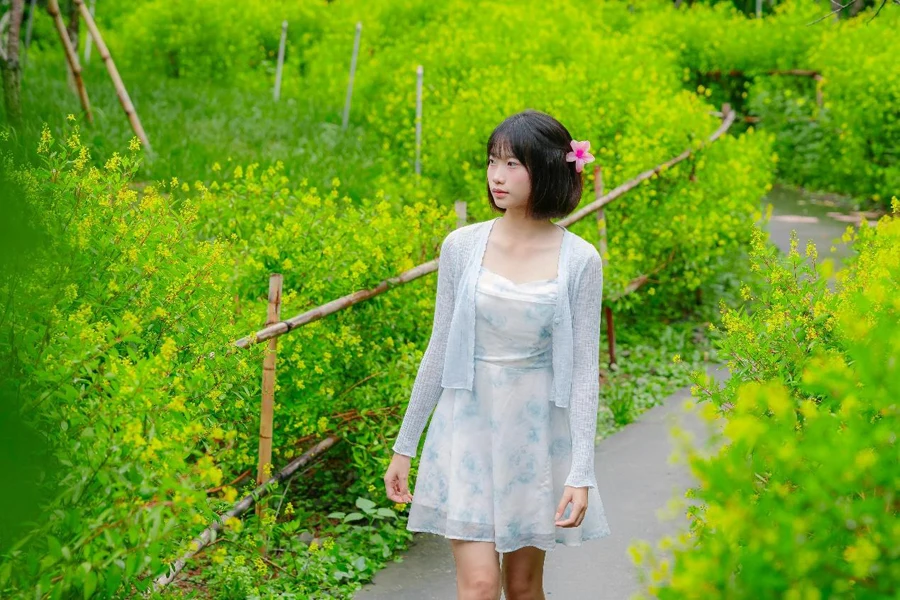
<point x="274" y="330"/>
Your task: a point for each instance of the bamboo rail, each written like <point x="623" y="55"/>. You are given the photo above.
<point x="314" y="314"/>
<point x="209" y="534"/>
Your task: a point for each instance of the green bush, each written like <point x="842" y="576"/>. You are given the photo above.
<point x="799" y="501"/>
<point x="120" y="336"/>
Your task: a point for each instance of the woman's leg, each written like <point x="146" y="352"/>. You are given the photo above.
<point x="522" y="574"/>
<point x="477" y="570"/>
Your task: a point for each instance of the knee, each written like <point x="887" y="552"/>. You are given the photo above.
<point x="523" y="588"/>
<point x="480" y="586"/>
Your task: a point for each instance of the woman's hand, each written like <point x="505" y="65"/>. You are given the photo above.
<point x="579" y="499"/>
<point x="395" y="479"/>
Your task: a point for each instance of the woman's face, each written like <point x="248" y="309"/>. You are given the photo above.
<point x="509" y="182"/>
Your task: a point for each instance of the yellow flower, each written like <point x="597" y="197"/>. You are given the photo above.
<point x="313" y="546"/>
<point x="260" y="565"/>
<point x="676" y="359"/>
<point x="135" y="144"/>
<point x="70" y="117"/>
<point x="234" y="524"/>
<point x="229" y="494"/>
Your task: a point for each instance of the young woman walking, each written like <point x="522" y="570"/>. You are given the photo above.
<point x="507" y="467"/>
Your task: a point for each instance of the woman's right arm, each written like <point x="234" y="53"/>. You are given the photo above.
<point x="426" y="389"/>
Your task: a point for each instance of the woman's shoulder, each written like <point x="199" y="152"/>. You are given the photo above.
<point x="463" y="237"/>
<point x="582" y="251"/>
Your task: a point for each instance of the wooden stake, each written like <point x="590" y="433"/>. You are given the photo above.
<point x="601" y="226"/>
<point x="346" y="121"/>
<point x="113" y="73"/>
<point x="268" y="382"/>
<point x="71" y="57"/>
<point x="460" y="207"/>
<point x="280" y="66"/>
<point x="419" y="75"/>
<point x="88" y="42"/>
<point x="28" y="29"/>
<point x="610" y="334"/>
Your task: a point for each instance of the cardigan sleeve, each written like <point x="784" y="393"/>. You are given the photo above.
<point x="426" y="390"/>
<point x="585" y="396"/>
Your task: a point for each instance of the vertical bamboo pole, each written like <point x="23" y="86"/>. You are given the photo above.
<point x="266" y="417"/>
<point x="113" y="74"/>
<point x="460" y="207"/>
<point x="419" y="77"/>
<point x="819" y="99"/>
<point x="280" y="67"/>
<point x="601" y="226"/>
<point x="89" y="41"/>
<point x="71" y="57"/>
<point x="346" y="121"/>
<point x="28" y="29"/>
<point x="610" y="334"/>
<point x="601" y="213"/>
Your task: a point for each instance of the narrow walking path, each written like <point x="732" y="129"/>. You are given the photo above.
<point x="635" y="481"/>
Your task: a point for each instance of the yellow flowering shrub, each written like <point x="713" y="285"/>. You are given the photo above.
<point x="800" y="499"/>
<point x="114" y="337"/>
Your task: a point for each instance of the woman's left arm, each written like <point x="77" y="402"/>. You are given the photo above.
<point x="585" y="372"/>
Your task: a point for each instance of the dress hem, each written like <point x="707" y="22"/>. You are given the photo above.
<point x="600" y="534"/>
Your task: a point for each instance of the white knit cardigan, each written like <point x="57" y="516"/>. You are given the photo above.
<point x="449" y="361"/>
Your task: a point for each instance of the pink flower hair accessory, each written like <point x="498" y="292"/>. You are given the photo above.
<point x="579" y="154"/>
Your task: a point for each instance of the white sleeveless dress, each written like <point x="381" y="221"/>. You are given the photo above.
<point x="495" y="460"/>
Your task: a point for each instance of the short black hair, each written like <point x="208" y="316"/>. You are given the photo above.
<point x="541" y="143"/>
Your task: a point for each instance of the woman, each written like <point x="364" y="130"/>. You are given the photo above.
<point x="512" y="366"/>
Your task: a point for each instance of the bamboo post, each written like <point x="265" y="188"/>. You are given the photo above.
<point x="819" y="99"/>
<point x="419" y="77"/>
<point x="460" y="207"/>
<point x="610" y="335"/>
<point x="113" y="73"/>
<point x="28" y="29"/>
<point x="71" y="57"/>
<point x="280" y="67"/>
<point x="601" y="226"/>
<point x="268" y="382"/>
<point x="346" y="121"/>
<point x="89" y="41"/>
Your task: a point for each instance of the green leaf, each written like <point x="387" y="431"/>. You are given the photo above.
<point x="54" y="547"/>
<point x="365" y="504"/>
<point x="113" y="578"/>
<point x="336" y="515"/>
<point x="360" y="563"/>
<point x="386" y="512"/>
<point x="354" y="516"/>
<point x="90" y="584"/>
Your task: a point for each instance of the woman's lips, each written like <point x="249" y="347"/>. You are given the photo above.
<point x="499" y="192"/>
